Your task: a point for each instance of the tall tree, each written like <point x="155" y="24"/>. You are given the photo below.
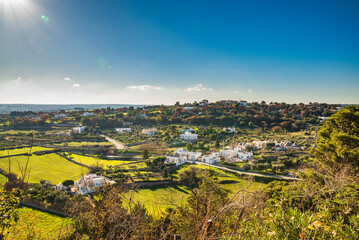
<point x="338" y="139"/>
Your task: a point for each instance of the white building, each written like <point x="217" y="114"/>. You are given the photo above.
<point x="235" y="154"/>
<point x="149" y="131"/>
<point x="60" y="116"/>
<point x="228" y="153"/>
<point x="212" y="158"/>
<point x="230" y="130"/>
<point x="78" y="130"/>
<point x="189" y="108"/>
<point x="189" y="136"/>
<point x="180" y="156"/>
<point x="122" y="130"/>
<point x="89" y="183"/>
<point x="87" y="114"/>
<point x="245" y="155"/>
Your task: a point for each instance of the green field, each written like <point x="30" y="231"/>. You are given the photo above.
<point x="91" y="161"/>
<point x="227" y="180"/>
<point x="3" y="180"/>
<point x="22" y="150"/>
<point x="50" y="167"/>
<point x="157" y="199"/>
<point x="34" y="224"/>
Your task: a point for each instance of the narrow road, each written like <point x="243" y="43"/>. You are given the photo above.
<point x="250" y="173"/>
<point x="118" y="144"/>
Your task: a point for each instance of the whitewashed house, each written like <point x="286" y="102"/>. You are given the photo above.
<point x="89" y="183"/>
<point x="78" y="130"/>
<point x="180" y="156"/>
<point x="230" y="130"/>
<point x="228" y="153"/>
<point x="149" y="131"/>
<point x="87" y="114"/>
<point x="187" y="136"/>
<point x="212" y="158"/>
<point x="60" y="116"/>
<point x="122" y="130"/>
<point x="189" y="108"/>
<point x="235" y="154"/>
<point x="245" y="155"/>
<point x="176" y="158"/>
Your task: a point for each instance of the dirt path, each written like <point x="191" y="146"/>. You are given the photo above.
<point x="118" y="144"/>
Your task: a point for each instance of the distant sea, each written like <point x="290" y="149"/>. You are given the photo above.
<point x="7" y="108"/>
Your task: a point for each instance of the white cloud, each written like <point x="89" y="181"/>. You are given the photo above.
<point x="197" y="88"/>
<point x="250" y="90"/>
<point x="19" y="78"/>
<point x="76" y="85"/>
<point x="67" y="79"/>
<point x="144" y="87"/>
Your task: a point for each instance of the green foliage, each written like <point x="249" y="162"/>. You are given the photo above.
<point x="338" y="141"/>
<point x="190" y="177"/>
<point x="9" y="202"/>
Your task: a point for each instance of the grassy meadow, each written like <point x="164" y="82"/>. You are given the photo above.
<point x="50" y="167"/>
<point x="157" y="199"/>
<point x="91" y="161"/>
<point x="3" y="180"/>
<point x="22" y="150"/>
<point x="34" y="224"/>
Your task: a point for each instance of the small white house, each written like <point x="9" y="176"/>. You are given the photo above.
<point x="235" y="154"/>
<point x="122" y="130"/>
<point x="176" y="158"/>
<point x="245" y="155"/>
<point x="230" y="130"/>
<point x="87" y="114"/>
<point x="228" y="153"/>
<point x="212" y="158"/>
<point x="60" y="116"/>
<point x="89" y="183"/>
<point x="149" y="131"/>
<point x="189" y="136"/>
<point x="180" y="156"/>
<point x="78" y="130"/>
<point x="189" y="108"/>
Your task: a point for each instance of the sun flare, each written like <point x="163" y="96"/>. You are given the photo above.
<point x="13" y="3"/>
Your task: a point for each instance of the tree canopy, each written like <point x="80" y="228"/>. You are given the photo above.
<point x="338" y="139"/>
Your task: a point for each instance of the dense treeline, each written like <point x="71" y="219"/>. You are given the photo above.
<point x="291" y="117"/>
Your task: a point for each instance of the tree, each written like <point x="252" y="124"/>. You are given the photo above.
<point x="165" y="172"/>
<point x="217" y="143"/>
<point x="145" y="154"/>
<point x="190" y="177"/>
<point x="8" y="206"/>
<point x="189" y="146"/>
<point x="68" y="183"/>
<point x="338" y="139"/>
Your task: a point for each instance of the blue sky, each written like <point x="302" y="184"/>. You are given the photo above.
<point x="152" y="52"/>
